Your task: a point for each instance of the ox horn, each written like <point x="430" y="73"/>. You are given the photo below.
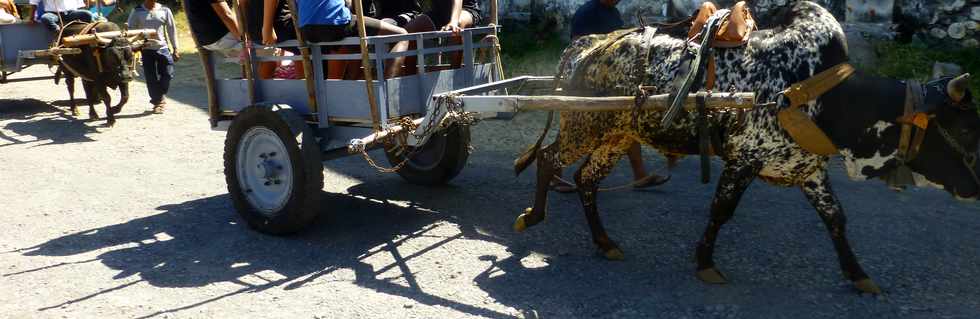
<point x="957" y="87"/>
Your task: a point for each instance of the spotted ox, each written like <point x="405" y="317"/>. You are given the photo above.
<point x="101" y="68"/>
<point x="859" y="116"/>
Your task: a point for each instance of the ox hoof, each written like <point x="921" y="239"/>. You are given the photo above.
<point x="867" y="286"/>
<point x="712" y="276"/>
<point x="520" y="224"/>
<point x="614" y="254"/>
<point x="94" y="116"/>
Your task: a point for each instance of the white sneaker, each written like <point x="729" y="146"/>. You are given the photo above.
<point x="226" y="42"/>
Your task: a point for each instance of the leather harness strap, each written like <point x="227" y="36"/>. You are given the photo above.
<point x="908" y="147"/>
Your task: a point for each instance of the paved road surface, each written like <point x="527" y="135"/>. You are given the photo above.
<point x="134" y="221"/>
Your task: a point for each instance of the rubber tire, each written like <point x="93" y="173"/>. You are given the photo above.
<point x="456" y="139"/>
<point x="299" y="138"/>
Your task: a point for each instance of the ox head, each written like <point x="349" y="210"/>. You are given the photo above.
<point x="117" y="62"/>
<point x="948" y="153"/>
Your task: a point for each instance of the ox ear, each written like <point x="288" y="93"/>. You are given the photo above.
<point x="956" y="89"/>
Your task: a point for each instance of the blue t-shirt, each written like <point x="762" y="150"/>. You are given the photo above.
<point x="323" y="12"/>
<point x="595" y="18"/>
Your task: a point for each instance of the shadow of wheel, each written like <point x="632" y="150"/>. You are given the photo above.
<point x="440" y="160"/>
<point x="273" y="169"/>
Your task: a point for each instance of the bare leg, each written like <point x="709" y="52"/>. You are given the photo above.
<point x="732" y="183"/>
<point x="821" y="196"/>
<point x="393" y="67"/>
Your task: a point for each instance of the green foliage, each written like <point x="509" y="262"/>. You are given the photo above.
<point x="914" y="61"/>
<point x="526" y="52"/>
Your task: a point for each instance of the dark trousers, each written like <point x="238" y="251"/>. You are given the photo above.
<point x="158" y="69"/>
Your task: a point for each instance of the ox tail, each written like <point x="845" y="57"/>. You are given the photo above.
<point x="530" y="154"/>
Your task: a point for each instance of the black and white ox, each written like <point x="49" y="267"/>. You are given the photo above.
<point x="859" y="116"/>
<point x="101" y="67"/>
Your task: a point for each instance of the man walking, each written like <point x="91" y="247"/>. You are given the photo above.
<point x="158" y="53"/>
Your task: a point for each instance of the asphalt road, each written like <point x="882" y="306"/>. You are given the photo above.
<point x="134" y="221"/>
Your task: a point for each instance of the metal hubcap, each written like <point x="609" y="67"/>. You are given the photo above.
<point x="264" y="170"/>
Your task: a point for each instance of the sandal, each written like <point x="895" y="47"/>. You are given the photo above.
<point x="158" y="109"/>
<point x="650" y="181"/>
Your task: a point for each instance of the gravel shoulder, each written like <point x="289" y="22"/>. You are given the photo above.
<point x="135" y="222"/>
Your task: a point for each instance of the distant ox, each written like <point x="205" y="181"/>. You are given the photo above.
<point x="101" y="67"/>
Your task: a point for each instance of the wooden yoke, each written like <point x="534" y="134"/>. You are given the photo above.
<point x="368" y="80"/>
<point x="104" y="38"/>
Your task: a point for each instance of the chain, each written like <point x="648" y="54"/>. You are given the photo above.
<point x="969" y="160"/>
<point x="454" y="114"/>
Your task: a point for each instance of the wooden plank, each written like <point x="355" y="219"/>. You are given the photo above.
<point x="516" y="103"/>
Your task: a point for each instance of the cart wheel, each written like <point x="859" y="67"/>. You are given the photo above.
<point x="441" y="158"/>
<point x="273" y="169"/>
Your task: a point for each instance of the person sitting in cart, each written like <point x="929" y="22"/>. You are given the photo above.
<point x="331" y="20"/>
<point x="158" y="54"/>
<point x="269" y="23"/>
<point x="55" y="13"/>
<point x="102" y="8"/>
<point x="597" y="17"/>
<point x="8" y="12"/>
<point x="214" y="25"/>
<point x="454" y="15"/>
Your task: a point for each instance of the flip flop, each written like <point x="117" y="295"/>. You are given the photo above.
<point x="650" y="181"/>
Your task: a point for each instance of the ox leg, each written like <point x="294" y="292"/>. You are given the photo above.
<point x="818" y="191"/>
<point x="731" y="185"/>
<point x="596" y="167"/>
<point x="107" y="100"/>
<point x="92" y="97"/>
<point x="547" y="166"/>
<point x="70" y="82"/>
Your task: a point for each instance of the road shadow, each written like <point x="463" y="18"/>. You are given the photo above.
<point x="200" y="242"/>
<point x="41" y="121"/>
<point x="776" y="251"/>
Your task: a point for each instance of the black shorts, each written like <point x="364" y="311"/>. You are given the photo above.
<point x="401" y="20"/>
<point x="332" y="33"/>
<point x="441" y="17"/>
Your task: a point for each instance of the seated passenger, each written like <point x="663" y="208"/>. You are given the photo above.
<point x="331" y="20"/>
<point x="8" y="12"/>
<point x="270" y="22"/>
<point x="55" y="13"/>
<point x="446" y="15"/>
<point x="455" y="15"/>
<point x="220" y="14"/>
<point x="102" y="8"/>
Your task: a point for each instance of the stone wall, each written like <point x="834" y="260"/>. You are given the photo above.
<point x="942" y="21"/>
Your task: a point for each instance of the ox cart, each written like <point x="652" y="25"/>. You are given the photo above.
<point x="19" y="43"/>
<point x="280" y="131"/>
